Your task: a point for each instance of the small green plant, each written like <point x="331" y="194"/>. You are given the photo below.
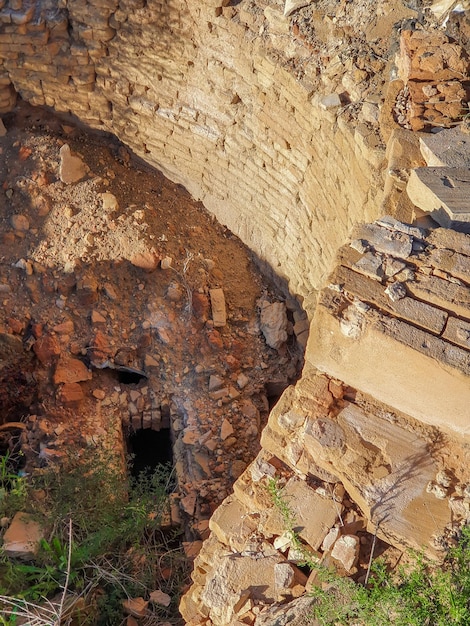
<point x="422" y="594"/>
<point x="13" y="490"/>
<point x="104" y="542"/>
<point x="288" y="517"/>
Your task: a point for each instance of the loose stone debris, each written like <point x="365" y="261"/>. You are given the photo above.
<point x="126" y="309"/>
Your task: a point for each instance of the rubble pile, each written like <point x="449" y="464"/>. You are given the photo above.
<point x="435" y="71"/>
<point x="105" y="331"/>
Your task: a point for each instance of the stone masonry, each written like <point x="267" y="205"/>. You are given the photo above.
<point x="357" y="445"/>
<point x="190" y="88"/>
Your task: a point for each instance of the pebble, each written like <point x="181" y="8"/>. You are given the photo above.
<point x="242" y="381"/>
<point x="109" y="201"/>
<point x="27" y="266"/>
<point x="72" y="168"/>
<point x="19" y="222"/>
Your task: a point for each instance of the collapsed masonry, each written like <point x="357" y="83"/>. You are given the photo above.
<point x="373" y="440"/>
<point x="382" y="403"/>
<point x="359" y="441"/>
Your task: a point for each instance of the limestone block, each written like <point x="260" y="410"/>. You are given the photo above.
<point x="21" y="539"/>
<point x="444" y="193"/>
<point x="448" y="148"/>
<point x="313" y="514"/>
<point x="359" y="362"/>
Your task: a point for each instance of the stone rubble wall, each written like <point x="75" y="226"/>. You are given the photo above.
<point x="194" y="90"/>
<point x="399" y="293"/>
<point x="362" y="442"/>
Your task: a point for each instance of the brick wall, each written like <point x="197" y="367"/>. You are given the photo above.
<point x="196" y="91"/>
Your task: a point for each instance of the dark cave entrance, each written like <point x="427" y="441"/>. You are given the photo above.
<point x="150" y="449"/>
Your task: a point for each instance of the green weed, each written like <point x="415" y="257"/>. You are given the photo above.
<point x="421" y="594"/>
<point x="103" y="538"/>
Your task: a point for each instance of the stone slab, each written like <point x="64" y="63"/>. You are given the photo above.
<point x="22" y="537"/>
<point x="383" y="467"/>
<point x="450" y="296"/>
<point x="238" y="577"/>
<point x="397" y="244"/>
<point x="219" y="313"/>
<point x="232" y="523"/>
<point x="450" y="239"/>
<point x="451" y="262"/>
<point x="444" y="192"/>
<point x="370" y="291"/>
<point x="448" y="148"/>
<point x="458" y="331"/>
<point x="437" y="393"/>
<point x="293" y="613"/>
<point x="72" y="168"/>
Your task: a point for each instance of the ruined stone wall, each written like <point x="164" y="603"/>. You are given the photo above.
<point x="196" y="91"/>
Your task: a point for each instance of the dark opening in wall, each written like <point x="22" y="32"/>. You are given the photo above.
<point x="150" y="449"/>
<point x="129" y="377"/>
<point x="274" y="390"/>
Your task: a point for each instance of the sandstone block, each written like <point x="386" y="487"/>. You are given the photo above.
<point x="443" y="293"/>
<point x="148" y="260"/>
<point x="71" y="394"/>
<point x="235" y="580"/>
<point x="346" y="551"/>
<point x="358" y="361"/>
<point x="415" y="311"/>
<point x="430" y="56"/>
<point x="273" y="320"/>
<point x="232" y="523"/>
<point x="219" y="313"/>
<point x="450" y="239"/>
<point x="292" y="613"/>
<point x="397" y="244"/>
<point x="71" y="371"/>
<point x="314" y="515"/>
<point x="22" y="537"/>
<point x="72" y="168"/>
<point x="444" y="193"/>
<point x="46" y="348"/>
<point x="458" y="331"/>
<point x="453" y="263"/>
